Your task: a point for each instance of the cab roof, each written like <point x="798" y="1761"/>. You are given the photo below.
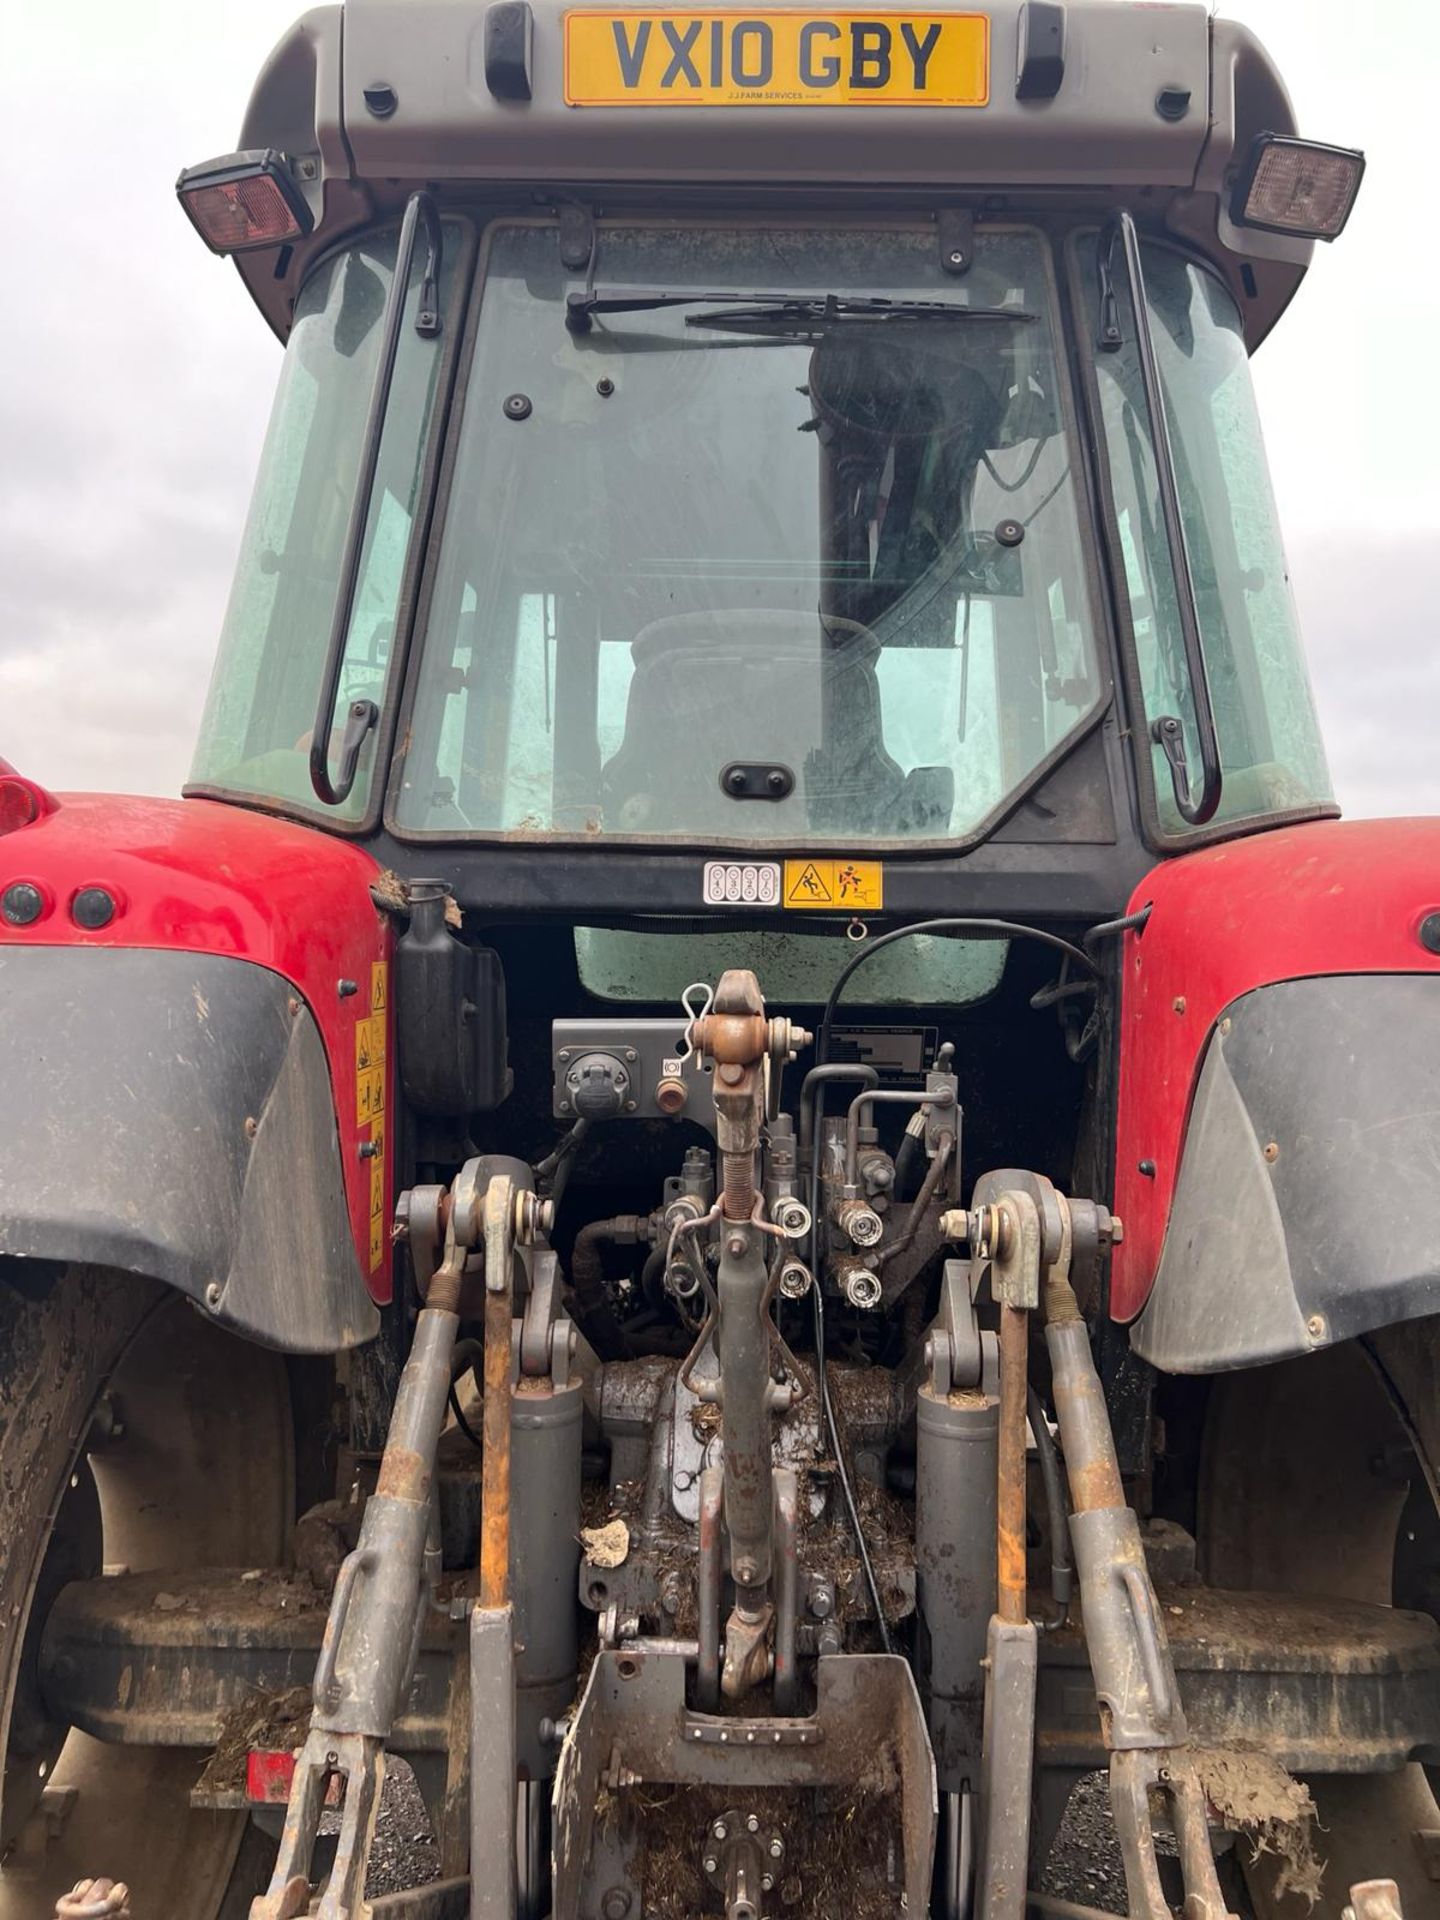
<point x="1092" y="104"/>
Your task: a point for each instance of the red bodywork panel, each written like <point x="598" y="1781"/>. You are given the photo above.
<point x="195" y="876"/>
<point x="1327" y="898"/>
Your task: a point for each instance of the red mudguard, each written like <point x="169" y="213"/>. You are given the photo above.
<point x="1333" y="897"/>
<point x="194" y="876"/>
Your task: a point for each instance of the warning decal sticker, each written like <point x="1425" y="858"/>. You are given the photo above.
<point x="840" y="885"/>
<point x="370" y="1101"/>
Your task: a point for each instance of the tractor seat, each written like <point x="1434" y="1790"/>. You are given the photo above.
<point x="711" y="688"/>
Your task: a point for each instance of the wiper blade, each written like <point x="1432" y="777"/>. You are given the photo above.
<point x="780" y="312"/>
<point x="813" y="313"/>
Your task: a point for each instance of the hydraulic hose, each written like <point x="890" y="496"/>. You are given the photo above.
<point x="1062" y="1563"/>
<point x="587" y="1282"/>
<point x="934" y="1174"/>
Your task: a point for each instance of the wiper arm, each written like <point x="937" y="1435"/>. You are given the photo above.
<point x="777" y="312"/>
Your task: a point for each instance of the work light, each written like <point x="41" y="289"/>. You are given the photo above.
<point x="244" y="200"/>
<point x="1297" y="186"/>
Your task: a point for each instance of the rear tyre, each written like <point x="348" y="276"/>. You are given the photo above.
<point x="1310" y="1466"/>
<point x="134" y="1434"/>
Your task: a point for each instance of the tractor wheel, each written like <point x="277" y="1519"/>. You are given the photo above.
<point x="1312" y="1474"/>
<point x="134" y="1434"/>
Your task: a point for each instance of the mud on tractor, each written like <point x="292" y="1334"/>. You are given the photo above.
<point x="753" y="1174"/>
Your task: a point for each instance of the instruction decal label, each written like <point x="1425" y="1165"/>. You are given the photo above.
<point x="742" y="883"/>
<point x="855" y="886"/>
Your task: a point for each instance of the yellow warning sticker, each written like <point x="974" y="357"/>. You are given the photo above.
<point x="369" y="1094"/>
<point x="370" y="1102"/>
<point x="370" y="1043"/>
<point x="377" y="1192"/>
<point x="845" y="885"/>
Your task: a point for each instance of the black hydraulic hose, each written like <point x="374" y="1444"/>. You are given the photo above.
<point x="563" y="1150"/>
<point x="1127" y="923"/>
<point x="905" y="1160"/>
<point x="652" y="1275"/>
<point x="1062" y="1558"/>
<point x="463" y="1424"/>
<point x="587" y="1281"/>
<point x="464" y="1356"/>
<point x="934" y="1174"/>
<point x="977" y="927"/>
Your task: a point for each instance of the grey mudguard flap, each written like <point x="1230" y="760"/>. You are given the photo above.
<point x="127" y="1077"/>
<point x="1307" y="1208"/>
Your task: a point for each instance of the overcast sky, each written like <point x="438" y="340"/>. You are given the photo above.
<point x="135" y="380"/>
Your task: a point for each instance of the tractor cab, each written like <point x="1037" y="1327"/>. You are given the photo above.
<point x="665" y="457"/>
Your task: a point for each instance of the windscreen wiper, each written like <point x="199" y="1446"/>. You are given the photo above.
<point x="777" y="312"/>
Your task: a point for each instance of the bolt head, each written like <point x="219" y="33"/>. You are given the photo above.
<point x="720" y="1830"/>
<point x="710" y="1863"/>
<point x="1315" y="1326"/>
<point x="767" y="1881"/>
<point x="752" y="1823"/>
<point x="777" y="1848"/>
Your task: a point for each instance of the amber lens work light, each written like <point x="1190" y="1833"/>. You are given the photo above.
<point x="244" y="200"/>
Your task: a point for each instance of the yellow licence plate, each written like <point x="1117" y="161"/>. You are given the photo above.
<point x="662" y="57"/>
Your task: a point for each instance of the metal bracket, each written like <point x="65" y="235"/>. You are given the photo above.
<point x="750" y="1733"/>
<point x="1015" y="1266"/>
<point x="577" y="235"/>
<point x="538" y="1322"/>
<point x="942" y="1117"/>
<point x="955" y="230"/>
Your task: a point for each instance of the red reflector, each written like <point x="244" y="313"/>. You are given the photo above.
<point x="242" y="213"/>
<point x="269" y="1773"/>
<point x="21" y="801"/>
<point x="268" y="1777"/>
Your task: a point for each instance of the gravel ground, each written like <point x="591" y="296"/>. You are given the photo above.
<point x="404" y="1853"/>
<point x="1085" y="1865"/>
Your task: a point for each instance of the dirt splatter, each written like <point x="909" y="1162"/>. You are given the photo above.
<point x="607" y="1546"/>
<point x="1259" y="1799"/>
<point x="843" y="1847"/>
<point x="273" y="1722"/>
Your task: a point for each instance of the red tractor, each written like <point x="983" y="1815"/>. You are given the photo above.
<point x="753" y="1174"/>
